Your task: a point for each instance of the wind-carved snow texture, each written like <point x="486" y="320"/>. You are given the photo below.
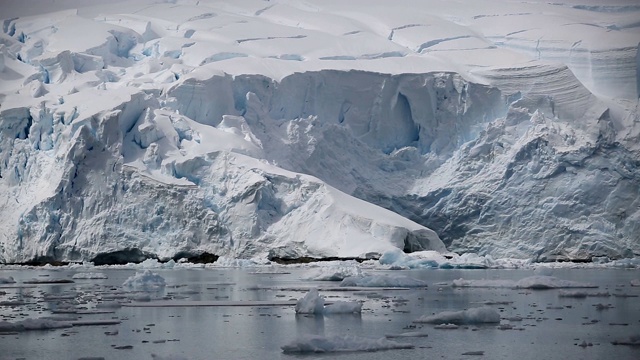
<point x="251" y="131"/>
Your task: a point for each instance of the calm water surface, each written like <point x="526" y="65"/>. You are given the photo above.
<point x="552" y="329"/>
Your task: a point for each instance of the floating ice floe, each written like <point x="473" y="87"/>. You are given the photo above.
<point x="633" y="340"/>
<point x="146" y="280"/>
<point x="313" y="303"/>
<point x="337" y="271"/>
<point x="531" y="282"/>
<point x="90" y="275"/>
<point x="396" y="259"/>
<point x="33" y="324"/>
<point x="346" y="343"/>
<point x="550" y="282"/>
<point x="7" y="280"/>
<point x="167" y="357"/>
<point x="582" y="294"/>
<point x="382" y="281"/>
<point x="224" y="261"/>
<point x="479" y="315"/>
<point x="408" y="334"/>
<point x="446" y="326"/>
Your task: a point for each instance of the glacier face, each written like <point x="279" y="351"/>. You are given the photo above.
<point x="261" y="132"/>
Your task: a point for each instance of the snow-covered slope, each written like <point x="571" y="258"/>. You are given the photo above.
<point x="321" y="128"/>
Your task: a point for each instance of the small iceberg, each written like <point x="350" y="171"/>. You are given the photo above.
<point x="382" y="281"/>
<point x="313" y="303"/>
<point x="479" y="315"/>
<point x="146" y="281"/>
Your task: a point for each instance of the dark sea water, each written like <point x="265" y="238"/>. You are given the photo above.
<point x="553" y="327"/>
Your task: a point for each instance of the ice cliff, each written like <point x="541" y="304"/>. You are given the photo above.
<point x="285" y="130"/>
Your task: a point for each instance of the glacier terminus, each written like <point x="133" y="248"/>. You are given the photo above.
<point x="319" y="129"/>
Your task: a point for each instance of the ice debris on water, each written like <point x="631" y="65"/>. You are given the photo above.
<point x="479" y="315"/>
<point x="338" y="343"/>
<point x="146" y="280"/>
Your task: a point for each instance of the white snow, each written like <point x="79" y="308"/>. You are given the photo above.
<point x="338" y="343"/>
<point x="479" y="315"/>
<point x="254" y="131"/>
<point x="146" y="280"/>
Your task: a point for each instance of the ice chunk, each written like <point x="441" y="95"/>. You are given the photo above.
<point x="422" y="259"/>
<point x="311" y="303"/>
<point x="549" y="282"/>
<point x="90" y="275"/>
<point x="345" y="343"/>
<point x="343" y="307"/>
<point x="146" y="280"/>
<point x="337" y="272"/>
<point x="382" y="281"/>
<point x="446" y="326"/>
<point x="483" y="283"/>
<point x="7" y="280"/>
<point x="479" y="315"/>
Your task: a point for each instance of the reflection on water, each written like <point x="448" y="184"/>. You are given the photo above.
<point x="552" y="327"/>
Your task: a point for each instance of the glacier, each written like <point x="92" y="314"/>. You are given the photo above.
<point x="286" y="130"/>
